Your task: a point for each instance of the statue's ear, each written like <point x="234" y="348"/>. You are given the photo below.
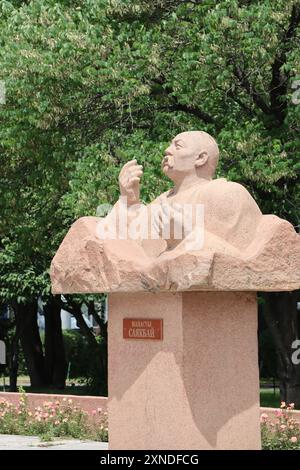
<point x="201" y="159"/>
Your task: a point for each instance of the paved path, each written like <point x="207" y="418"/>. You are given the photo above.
<point x="9" y="442"/>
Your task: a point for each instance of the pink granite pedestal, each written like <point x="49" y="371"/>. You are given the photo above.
<point x="198" y="387"/>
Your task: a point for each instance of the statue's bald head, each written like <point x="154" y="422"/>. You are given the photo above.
<point x="203" y="142"/>
<point x="192" y="151"/>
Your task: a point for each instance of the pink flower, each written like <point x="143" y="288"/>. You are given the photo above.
<point x="293" y="439"/>
<point x="94" y="412"/>
<point x="278" y="413"/>
<point x="283" y="427"/>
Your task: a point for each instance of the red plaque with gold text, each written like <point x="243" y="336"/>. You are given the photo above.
<point x="142" y="328"/>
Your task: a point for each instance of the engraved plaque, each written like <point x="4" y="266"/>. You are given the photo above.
<point x="142" y="328"/>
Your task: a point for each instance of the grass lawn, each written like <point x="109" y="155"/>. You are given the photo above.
<point x="68" y="390"/>
<point x="269" y="398"/>
<point x="73" y="387"/>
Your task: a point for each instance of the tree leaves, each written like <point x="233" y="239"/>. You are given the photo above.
<point x="91" y="85"/>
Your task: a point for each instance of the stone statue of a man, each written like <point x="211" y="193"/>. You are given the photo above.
<point x="203" y="233"/>
<point x="230" y="214"/>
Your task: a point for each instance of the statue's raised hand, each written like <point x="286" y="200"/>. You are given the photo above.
<point x="129" y="181"/>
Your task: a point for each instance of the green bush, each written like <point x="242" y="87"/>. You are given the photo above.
<point x="77" y="351"/>
<point x="53" y="419"/>
<point x="84" y="360"/>
<point x="82" y="357"/>
<point x="76" y="348"/>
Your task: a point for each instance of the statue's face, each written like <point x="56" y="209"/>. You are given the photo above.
<point x="181" y="155"/>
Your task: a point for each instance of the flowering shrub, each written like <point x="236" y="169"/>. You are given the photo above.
<point x="100" y="425"/>
<point x="63" y="419"/>
<point x="283" y="432"/>
<point x="53" y="419"/>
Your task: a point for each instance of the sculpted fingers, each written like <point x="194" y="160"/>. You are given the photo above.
<point x="129" y="179"/>
<point x="126" y="168"/>
<point x="135" y="179"/>
<point x="132" y="175"/>
<point x="135" y="169"/>
<point x="128" y="165"/>
<point x="136" y="173"/>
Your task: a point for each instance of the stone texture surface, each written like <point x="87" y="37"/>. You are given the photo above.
<point x="206" y="367"/>
<point x="14" y="442"/>
<point x="86" y="264"/>
<point x="227" y="245"/>
<point x="196" y="389"/>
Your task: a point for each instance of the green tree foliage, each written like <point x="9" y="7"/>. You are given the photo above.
<point x="92" y="84"/>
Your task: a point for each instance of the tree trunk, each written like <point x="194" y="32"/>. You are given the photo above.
<point x="99" y="351"/>
<point x="102" y="346"/>
<point x="282" y="318"/>
<point x="26" y="315"/>
<point x="55" y="361"/>
<point x="14" y="359"/>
